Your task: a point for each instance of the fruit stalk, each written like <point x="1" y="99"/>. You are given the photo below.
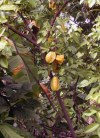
<point x="66" y="116"/>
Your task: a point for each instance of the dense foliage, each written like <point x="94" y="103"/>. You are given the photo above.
<point x="55" y="95"/>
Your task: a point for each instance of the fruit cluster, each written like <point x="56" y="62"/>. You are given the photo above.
<point x="52" y="57"/>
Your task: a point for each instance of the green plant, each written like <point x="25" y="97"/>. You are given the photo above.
<point x="29" y="29"/>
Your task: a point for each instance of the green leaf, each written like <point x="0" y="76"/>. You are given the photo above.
<point x="2" y="30"/>
<point x="8" y="7"/>
<point x="94" y="55"/>
<point x="9" y="132"/>
<point x="33" y="3"/>
<point x="91" y="3"/>
<point x="94" y="136"/>
<point x="39" y="40"/>
<point x="96" y="89"/>
<point x="36" y="90"/>
<point x="3" y="43"/>
<point x="2" y="17"/>
<point x="7" y="51"/>
<point x="92" y="127"/>
<point x="79" y="54"/>
<point x="18" y="1"/>
<point x="19" y="75"/>
<point x="25" y="58"/>
<point x="83" y="83"/>
<point x="3" y="62"/>
<point x="98" y="116"/>
<point x="1" y="1"/>
<point x="95" y="96"/>
<point x="89" y="112"/>
<point x="98" y="132"/>
<point x="14" y="62"/>
<point x="98" y="2"/>
<point x="32" y="71"/>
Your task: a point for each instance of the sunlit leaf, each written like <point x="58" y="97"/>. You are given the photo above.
<point x="84" y="83"/>
<point x="91" y="3"/>
<point x="92" y="127"/>
<point x="2" y="17"/>
<point x="89" y="112"/>
<point x="8" y="7"/>
<point x="3" y="43"/>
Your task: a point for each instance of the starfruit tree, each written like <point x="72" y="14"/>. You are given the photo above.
<point x="49" y="68"/>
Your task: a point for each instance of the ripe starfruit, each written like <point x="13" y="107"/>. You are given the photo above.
<point x="50" y="57"/>
<point x="55" y="84"/>
<point x="60" y="59"/>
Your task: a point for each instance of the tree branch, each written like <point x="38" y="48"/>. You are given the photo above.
<point x="66" y="116"/>
<point x="48" y="94"/>
<point x="21" y="34"/>
<point x="56" y="15"/>
<point x="75" y="106"/>
<point x="26" y="25"/>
